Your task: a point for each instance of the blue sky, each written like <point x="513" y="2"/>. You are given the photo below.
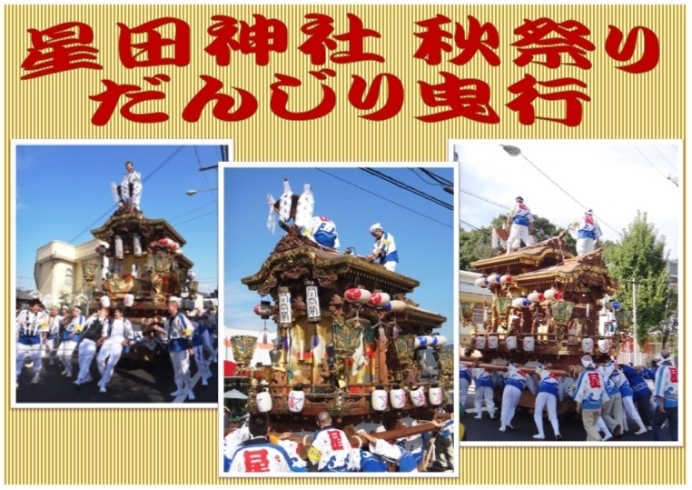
<point x="426" y="247"/>
<point x="63" y="190"/>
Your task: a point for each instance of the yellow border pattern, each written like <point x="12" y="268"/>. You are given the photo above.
<point x="648" y="106"/>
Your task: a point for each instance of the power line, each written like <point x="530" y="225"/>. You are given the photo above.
<point x="384" y="198"/>
<point x="196" y="217"/>
<point x="664" y="158"/>
<point x="567" y="193"/>
<point x="110" y="210"/>
<point x="437" y="178"/>
<point x="426" y="181"/>
<point x="650" y="162"/>
<point x="486" y="200"/>
<point x="193" y="210"/>
<point x="469" y="224"/>
<point x="407" y="187"/>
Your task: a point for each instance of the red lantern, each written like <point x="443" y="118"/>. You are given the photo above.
<point x="378" y="299"/>
<point x="357" y="295"/>
<point x="557" y="295"/>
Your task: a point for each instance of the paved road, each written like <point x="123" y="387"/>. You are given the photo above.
<point x="129" y="384"/>
<point x="571" y="427"/>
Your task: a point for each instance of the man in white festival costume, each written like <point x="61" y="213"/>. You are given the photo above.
<point x="257" y="454"/>
<point x="70" y="340"/>
<point x="119" y="335"/>
<point x="522" y="225"/>
<point x="93" y="336"/>
<point x="177" y="331"/>
<point x="130" y="189"/>
<point x="385" y="248"/>
<point x="32" y="334"/>
<point x="588" y="232"/>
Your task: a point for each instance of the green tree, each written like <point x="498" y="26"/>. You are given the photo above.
<point x="641" y="255"/>
<point x="477" y="244"/>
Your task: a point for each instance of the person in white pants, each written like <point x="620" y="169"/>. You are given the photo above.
<point x="207" y="325"/>
<point x="54" y="322"/>
<point x="32" y="331"/>
<point x="177" y="331"/>
<point x="588" y="232"/>
<point x="95" y="331"/>
<point x="119" y="335"/>
<point x="484" y="392"/>
<point x="522" y="225"/>
<point x="547" y="396"/>
<point x="514" y="385"/>
<point x="198" y="348"/>
<point x="627" y="395"/>
<point x="70" y="339"/>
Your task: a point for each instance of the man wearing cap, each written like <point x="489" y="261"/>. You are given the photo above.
<point x="94" y="334"/>
<point x="522" y="225"/>
<point x="666" y="397"/>
<point x="588" y="232"/>
<point x="590" y="394"/>
<point x="385" y="248"/>
<point x="32" y="332"/>
<point x="70" y="339"/>
<point x="177" y="331"/>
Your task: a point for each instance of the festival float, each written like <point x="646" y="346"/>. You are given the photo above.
<point x="349" y="340"/>
<point x="545" y="308"/>
<point x="142" y="266"/>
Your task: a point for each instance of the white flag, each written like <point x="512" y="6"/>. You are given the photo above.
<point x="286" y="200"/>
<point x="306" y="206"/>
<point x="271" y="221"/>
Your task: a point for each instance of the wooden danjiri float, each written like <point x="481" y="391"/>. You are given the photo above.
<point x="348" y="341"/>
<point x="142" y="266"/>
<point x="544" y="309"/>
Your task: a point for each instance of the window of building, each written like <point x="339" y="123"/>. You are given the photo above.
<point x="68" y="277"/>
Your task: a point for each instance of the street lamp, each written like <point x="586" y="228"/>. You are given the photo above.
<point x="511" y="150"/>
<point x="192" y="192"/>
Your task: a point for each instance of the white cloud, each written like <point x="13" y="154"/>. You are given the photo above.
<point x="615" y="179"/>
<point x="238" y="304"/>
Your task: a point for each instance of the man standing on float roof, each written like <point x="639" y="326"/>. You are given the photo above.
<point x="588" y="232"/>
<point x="385" y="248"/>
<point x="522" y="225"/>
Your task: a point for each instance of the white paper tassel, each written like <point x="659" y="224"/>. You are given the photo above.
<point x="382" y="336"/>
<point x="137" y="245"/>
<point x="118" y="247"/>
<point x="306" y="206"/>
<point x="271" y="221"/>
<point x="495" y="240"/>
<point x="125" y="189"/>
<point x="286" y="199"/>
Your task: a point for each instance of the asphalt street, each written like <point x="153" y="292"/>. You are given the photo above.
<point x="129" y="384"/>
<point x="571" y="427"/>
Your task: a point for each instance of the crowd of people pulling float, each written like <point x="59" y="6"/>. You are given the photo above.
<point x="541" y="347"/>
<point x="136" y="308"/>
<point x="350" y="348"/>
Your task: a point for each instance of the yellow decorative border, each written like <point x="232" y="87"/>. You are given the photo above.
<point x="141" y="446"/>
